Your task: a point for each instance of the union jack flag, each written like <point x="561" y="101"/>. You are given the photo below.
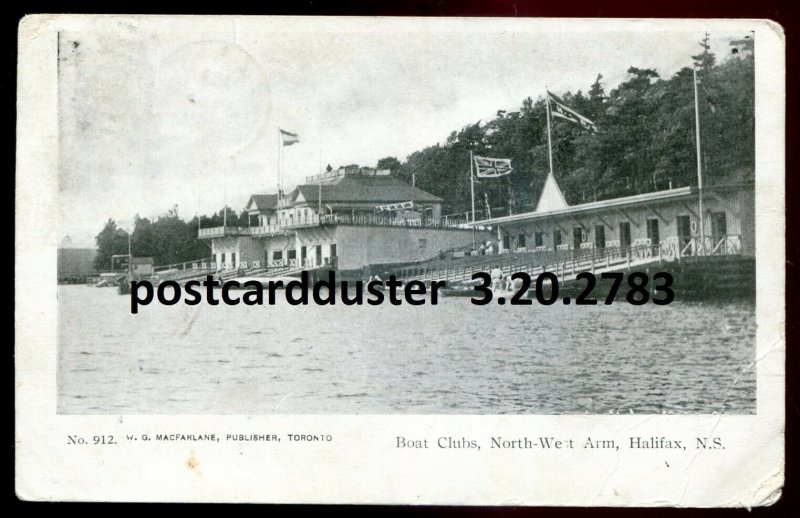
<point x="559" y="109"/>
<point x="492" y="167"/>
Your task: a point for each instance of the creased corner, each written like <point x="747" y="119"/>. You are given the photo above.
<point x="31" y="25"/>
<point x="765" y="494"/>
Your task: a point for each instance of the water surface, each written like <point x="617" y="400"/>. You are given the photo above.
<point x="453" y="358"/>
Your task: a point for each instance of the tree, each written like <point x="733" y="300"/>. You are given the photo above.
<point x="706" y="59"/>
<point x="110" y="241"/>
<point x="391" y="163"/>
<point x="596" y="92"/>
<point x="645" y="140"/>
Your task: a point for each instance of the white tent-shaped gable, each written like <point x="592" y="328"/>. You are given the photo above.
<point x="551" y="197"/>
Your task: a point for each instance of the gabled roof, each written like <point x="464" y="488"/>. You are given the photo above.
<point x="551" y="197"/>
<point x="262" y="202"/>
<point x="364" y="189"/>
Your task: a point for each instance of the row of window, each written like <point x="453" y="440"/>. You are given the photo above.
<point x="277" y="255"/>
<point x="684" y="226"/>
<point x="291" y="254"/>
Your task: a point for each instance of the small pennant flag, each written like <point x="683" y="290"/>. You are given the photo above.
<point x="559" y="109"/>
<point x="289" y="138"/>
<point x="492" y="167"/>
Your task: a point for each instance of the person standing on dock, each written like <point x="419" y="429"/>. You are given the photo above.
<point x="497" y="277"/>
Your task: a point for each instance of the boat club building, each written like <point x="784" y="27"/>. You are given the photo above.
<point x="666" y="220"/>
<point x="348" y="219"/>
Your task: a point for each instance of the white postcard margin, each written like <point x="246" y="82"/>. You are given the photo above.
<point x="362" y="464"/>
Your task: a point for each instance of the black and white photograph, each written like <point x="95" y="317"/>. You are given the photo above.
<point x="427" y="157"/>
<point x="301" y="218"/>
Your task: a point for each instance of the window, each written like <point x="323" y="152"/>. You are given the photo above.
<point x="538" y="239"/>
<point x="521" y="241"/>
<point x="233" y="259"/>
<point x="291" y="254"/>
<point x="303" y="253"/>
<point x="556" y="239"/>
<point x="222" y="258"/>
<point x="333" y="250"/>
<point x="506" y="241"/>
<point x="652" y="232"/>
<point x="423" y="243"/>
<point x="599" y="236"/>
<point x="277" y="255"/>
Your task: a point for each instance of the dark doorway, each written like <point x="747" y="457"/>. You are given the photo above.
<point x="719" y="228"/>
<point x="599" y="236"/>
<point x="684" y="224"/>
<point x="625" y="234"/>
<point x="577" y="238"/>
<point x="652" y="232"/>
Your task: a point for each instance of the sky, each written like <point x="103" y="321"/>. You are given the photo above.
<point x="153" y="116"/>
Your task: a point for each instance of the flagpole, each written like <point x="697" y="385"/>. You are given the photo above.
<point x="549" y="139"/>
<point x="225" y="206"/>
<point x="472" y="184"/>
<point x="699" y="163"/>
<point x="280" y="168"/>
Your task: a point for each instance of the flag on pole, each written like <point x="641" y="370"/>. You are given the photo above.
<point x="492" y="167"/>
<point x="289" y="138"/>
<point x="559" y="109"/>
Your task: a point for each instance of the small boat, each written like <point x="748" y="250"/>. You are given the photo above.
<point x="108" y="280"/>
<point x="460" y="292"/>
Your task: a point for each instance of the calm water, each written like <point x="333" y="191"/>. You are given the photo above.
<point x="454" y="358"/>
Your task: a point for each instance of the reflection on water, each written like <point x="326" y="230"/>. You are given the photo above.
<point x="453" y="358"/>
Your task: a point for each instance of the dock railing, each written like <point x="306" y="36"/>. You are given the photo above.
<point x="566" y="263"/>
<point x="234" y="231"/>
<point x="387" y="221"/>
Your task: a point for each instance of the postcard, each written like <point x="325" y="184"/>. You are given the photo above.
<point x="444" y="261"/>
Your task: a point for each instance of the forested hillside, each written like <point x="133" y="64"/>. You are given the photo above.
<point x="645" y="139"/>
